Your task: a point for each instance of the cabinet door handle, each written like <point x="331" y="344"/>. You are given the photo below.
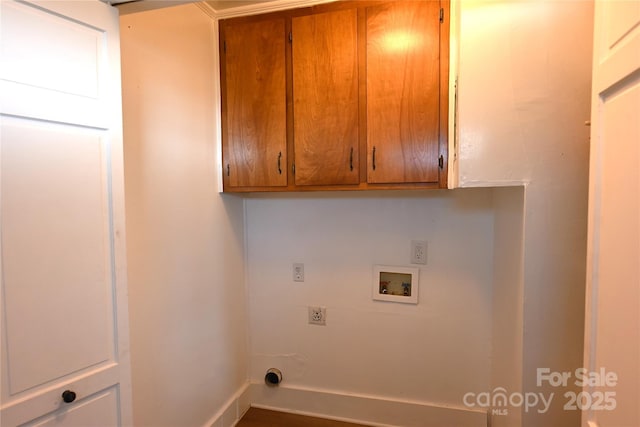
<point x="279" y="163"/>
<point x="351" y="160"/>
<point x="373" y="159"/>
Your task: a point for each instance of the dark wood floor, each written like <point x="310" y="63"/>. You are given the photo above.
<point x="256" y="417"/>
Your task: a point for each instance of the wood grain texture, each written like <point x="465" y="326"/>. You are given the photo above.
<point x="403" y="91"/>
<point x="443" y="179"/>
<point x="254" y="103"/>
<point x="256" y="417"/>
<point x="325" y="98"/>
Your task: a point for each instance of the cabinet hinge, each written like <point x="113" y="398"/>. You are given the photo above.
<point x="441" y="15"/>
<point x="441" y="161"/>
<point x="290" y="37"/>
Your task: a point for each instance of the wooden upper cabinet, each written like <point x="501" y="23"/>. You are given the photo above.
<point x="254" y="131"/>
<point x="343" y="95"/>
<point x="325" y="98"/>
<point x="403" y="92"/>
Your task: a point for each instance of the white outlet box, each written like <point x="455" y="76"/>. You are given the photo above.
<point x="318" y="316"/>
<point x="298" y="272"/>
<point x="418" y="252"/>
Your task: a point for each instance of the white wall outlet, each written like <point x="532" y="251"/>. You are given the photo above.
<point x="418" y="252"/>
<point x="298" y="272"/>
<point x="317" y="316"/>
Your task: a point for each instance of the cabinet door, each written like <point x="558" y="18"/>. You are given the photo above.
<point x="403" y="92"/>
<point x="254" y="103"/>
<point x="325" y="92"/>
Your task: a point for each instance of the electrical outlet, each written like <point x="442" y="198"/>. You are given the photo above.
<point x="418" y="252"/>
<point x="317" y="316"/>
<point x="298" y="272"/>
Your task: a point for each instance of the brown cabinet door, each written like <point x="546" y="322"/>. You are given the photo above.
<point x="254" y="103"/>
<point x="403" y="92"/>
<point x="325" y="93"/>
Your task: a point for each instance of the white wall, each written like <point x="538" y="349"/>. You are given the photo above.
<point x="431" y="352"/>
<point x="524" y="95"/>
<point x="185" y="241"/>
<point x="508" y="299"/>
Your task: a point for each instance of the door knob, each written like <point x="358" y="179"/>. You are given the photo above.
<point x="68" y="396"/>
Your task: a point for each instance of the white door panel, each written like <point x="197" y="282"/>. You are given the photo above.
<point x="619" y="19"/>
<point x="46" y="401"/>
<point x="59" y="309"/>
<point x="63" y="55"/>
<point x="617" y="313"/>
<point x="55" y="67"/>
<point x="617" y="45"/>
<point x="63" y="305"/>
<point x="612" y="337"/>
<point x="99" y="411"/>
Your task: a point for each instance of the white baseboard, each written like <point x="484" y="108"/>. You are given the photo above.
<point x="233" y="409"/>
<point x="362" y="409"/>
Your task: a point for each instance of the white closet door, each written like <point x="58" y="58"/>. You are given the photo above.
<point x="64" y="310"/>
<point x="613" y="280"/>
